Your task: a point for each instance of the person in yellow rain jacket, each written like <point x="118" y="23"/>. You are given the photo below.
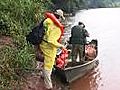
<point x="50" y="44"/>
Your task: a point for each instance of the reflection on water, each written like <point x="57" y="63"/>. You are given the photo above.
<point x="104" y="25"/>
<point x="89" y="82"/>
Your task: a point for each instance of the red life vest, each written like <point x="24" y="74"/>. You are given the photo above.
<point x="61" y="60"/>
<point x="56" y="21"/>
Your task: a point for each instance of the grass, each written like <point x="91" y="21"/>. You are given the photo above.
<point x="17" y="17"/>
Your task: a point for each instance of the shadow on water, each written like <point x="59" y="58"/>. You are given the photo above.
<point x="90" y="81"/>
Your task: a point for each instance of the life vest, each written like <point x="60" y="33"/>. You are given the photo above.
<point x="61" y="60"/>
<point x="56" y="21"/>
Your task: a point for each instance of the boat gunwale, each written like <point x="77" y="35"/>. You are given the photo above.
<point x="78" y="66"/>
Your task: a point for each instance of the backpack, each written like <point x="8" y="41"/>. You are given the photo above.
<point x="35" y="37"/>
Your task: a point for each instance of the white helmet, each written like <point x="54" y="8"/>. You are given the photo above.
<point x="60" y="13"/>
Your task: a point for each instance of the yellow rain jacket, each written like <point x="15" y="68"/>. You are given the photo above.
<point x="49" y="48"/>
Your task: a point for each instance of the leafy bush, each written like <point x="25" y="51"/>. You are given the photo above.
<point x="16" y="19"/>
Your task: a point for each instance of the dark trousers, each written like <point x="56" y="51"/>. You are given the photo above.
<point x="77" y="49"/>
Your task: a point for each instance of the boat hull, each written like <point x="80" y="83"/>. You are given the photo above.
<point x="70" y="74"/>
<point x="77" y="70"/>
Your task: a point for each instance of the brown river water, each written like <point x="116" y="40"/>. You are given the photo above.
<point x="104" y="25"/>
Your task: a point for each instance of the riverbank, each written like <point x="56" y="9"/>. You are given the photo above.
<point x="34" y="81"/>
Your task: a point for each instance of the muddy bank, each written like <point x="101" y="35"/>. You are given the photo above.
<point x="34" y="81"/>
<point x="6" y="40"/>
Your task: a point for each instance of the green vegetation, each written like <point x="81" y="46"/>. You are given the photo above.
<point x="16" y="19"/>
<point x="102" y="3"/>
<point x="71" y="6"/>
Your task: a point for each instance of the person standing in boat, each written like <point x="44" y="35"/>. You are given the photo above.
<point x="51" y="42"/>
<point x="78" y="41"/>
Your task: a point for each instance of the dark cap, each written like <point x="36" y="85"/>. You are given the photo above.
<point x="81" y="23"/>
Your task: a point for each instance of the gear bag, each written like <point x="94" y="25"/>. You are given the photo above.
<point x="35" y="37"/>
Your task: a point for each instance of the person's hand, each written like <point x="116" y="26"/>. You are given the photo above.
<point x="63" y="48"/>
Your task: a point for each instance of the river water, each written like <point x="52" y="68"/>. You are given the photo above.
<point x="104" y="25"/>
